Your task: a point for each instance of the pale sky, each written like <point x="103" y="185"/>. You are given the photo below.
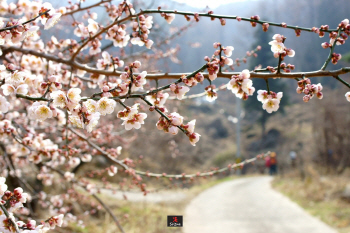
<point x="203" y="3"/>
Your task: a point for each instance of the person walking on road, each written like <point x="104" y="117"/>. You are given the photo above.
<point x="273" y="164"/>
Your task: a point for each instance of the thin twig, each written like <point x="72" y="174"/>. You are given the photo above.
<point x="26" y="22"/>
<point x="342" y="81"/>
<point x="331" y="51"/>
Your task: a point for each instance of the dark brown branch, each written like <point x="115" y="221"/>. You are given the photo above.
<point x="77" y="65"/>
<point x="156" y="11"/>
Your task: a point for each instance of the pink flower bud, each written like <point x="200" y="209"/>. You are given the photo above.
<point x="299" y="90"/>
<point x="325" y="45"/>
<point x="265" y="27"/>
<point x="223" y="22"/>
<point x="306" y="98"/>
<point x="319" y="95"/>
<point x="10" y="66"/>
<point x="137" y="64"/>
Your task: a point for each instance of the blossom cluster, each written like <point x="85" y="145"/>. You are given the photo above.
<point x="270" y="100"/>
<point x="179" y="91"/>
<point x="51" y="89"/>
<point x="214" y="64"/>
<point x="141" y="29"/>
<point x="131" y="117"/>
<point x="278" y="48"/>
<point x="333" y="36"/>
<point x="20" y="29"/>
<point x="173" y="122"/>
<point x="241" y="85"/>
<point x="12" y="203"/>
<point x="310" y="90"/>
<point x="192" y="81"/>
<point x="210" y="93"/>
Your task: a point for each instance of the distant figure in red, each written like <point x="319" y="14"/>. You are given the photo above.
<point x="267" y="162"/>
<point x="273" y="164"/>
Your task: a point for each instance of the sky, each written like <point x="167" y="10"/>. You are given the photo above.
<point x="203" y="3"/>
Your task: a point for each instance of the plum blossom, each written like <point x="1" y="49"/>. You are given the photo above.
<point x="73" y="98"/>
<point x="3" y="186"/>
<point x="93" y="121"/>
<point x="169" y="17"/>
<point x="6" y="223"/>
<point x="76" y="121"/>
<point x="112" y="170"/>
<point x="310" y="90"/>
<point x="69" y="176"/>
<point x="93" y="26"/>
<point x="105" y="62"/>
<point x="278" y="48"/>
<point x="118" y="35"/>
<point x="270" y="100"/>
<point x="139" y="81"/>
<point x="211" y="94"/>
<point x="347" y="96"/>
<point x="175" y="118"/>
<point x="105" y="106"/>
<point x="241" y="85"/>
<point x="132" y="118"/>
<point x="228" y="50"/>
<point x="81" y="30"/>
<point x="55" y="221"/>
<point x="39" y="112"/>
<point x="190" y="126"/>
<point x="4" y="105"/>
<point x="213" y="69"/>
<point x="52" y="20"/>
<point x="17" y="76"/>
<point x="192" y="81"/>
<point x="59" y="98"/>
<point x="86" y="158"/>
<point x="271" y="105"/>
<point x="194" y="138"/>
<point x="158" y="99"/>
<point x="179" y="91"/>
<point x="173" y="122"/>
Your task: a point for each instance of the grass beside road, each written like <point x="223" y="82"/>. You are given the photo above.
<point x="141" y="216"/>
<point x="320" y="196"/>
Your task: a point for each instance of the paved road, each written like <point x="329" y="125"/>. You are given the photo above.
<point x="248" y="205"/>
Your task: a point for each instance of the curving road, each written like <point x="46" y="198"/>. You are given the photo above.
<point x="248" y="205"/>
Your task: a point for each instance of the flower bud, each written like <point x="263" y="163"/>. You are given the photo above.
<point x="265" y="27"/>
<point x="306" y="98"/>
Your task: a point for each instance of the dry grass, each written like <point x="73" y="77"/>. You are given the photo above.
<point x="320" y="196"/>
<point x="136" y="217"/>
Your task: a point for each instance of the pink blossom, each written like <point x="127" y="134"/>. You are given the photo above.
<point x="228" y="50"/>
<point x="347" y="96"/>
<point x="194" y="138"/>
<point x="176" y="119"/>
